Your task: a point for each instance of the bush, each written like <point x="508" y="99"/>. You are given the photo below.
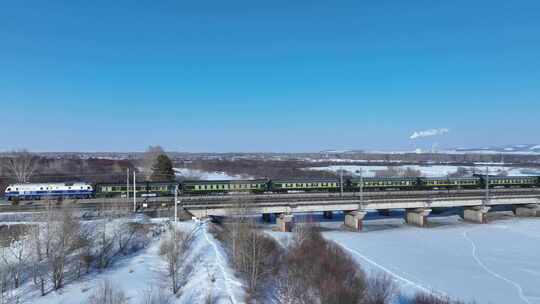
<point x="107" y="293"/>
<point x="319" y="271"/>
<point x="425" y="298"/>
<point x="155" y="296"/>
<point x="254" y="254"/>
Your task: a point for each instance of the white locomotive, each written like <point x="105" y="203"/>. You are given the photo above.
<point x="49" y="190"/>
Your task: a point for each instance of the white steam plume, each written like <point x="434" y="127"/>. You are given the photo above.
<point x="427" y="133"/>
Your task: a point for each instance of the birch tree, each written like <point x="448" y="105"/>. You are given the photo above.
<point x="21" y="165"/>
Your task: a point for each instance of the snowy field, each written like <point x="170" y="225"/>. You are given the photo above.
<point x="496" y="263"/>
<point x="146" y="271"/>
<point x="203" y="175"/>
<point x="430" y="171"/>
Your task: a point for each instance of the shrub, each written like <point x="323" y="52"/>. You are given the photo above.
<point x="107" y="293"/>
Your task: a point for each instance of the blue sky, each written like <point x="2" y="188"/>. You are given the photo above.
<point x="267" y="75"/>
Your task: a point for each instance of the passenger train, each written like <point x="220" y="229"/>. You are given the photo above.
<point x="155" y="189"/>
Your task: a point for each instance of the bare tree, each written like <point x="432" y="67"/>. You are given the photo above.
<point x="155" y="295"/>
<point x="381" y="289"/>
<point x="254" y="254"/>
<point x="83" y="250"/>
<point x="173" y="249"/>
<point x="107" y="293"/>
<point x="55" y="244"/>
<point x="426" y="298"/>
<point x="64" y="239"/>
<point x="15" y="258"/>
<point x="21" y="164"/>
<point x="7" y="294"/>
<point x="105" y="245"/>
<point x="319" y="271"/>
<point x="38" y="258"/>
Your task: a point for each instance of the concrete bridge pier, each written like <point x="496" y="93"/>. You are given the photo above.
<point x="354" y="219"/>
<point x="285" y="222"/>
<point x="477" y="214"/>
<point x="328" y="215"/>
<point x="531" y="210"/>
<point x="417" y="217"/>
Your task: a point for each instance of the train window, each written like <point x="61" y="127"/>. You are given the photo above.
<point x="8" y="189"/>
<point x="41" y="188"/>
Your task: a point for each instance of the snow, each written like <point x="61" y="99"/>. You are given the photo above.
<point x="203" y="175"/>
<point x="496" y="263"/>
<point x="430" y="171"/>
<point x="493" y="263"/>
<point x="136" y="275"/>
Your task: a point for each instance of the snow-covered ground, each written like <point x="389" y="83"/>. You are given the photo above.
<point x="430" y="171"/>
<point x="147" y="270"/>
<point x="203" y="175"/>
<point x="494" y="263"/>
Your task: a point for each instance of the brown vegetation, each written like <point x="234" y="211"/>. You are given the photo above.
<point x="107" y="293"/>
<point x="173" y="248"/>
<point x="257" y="168"/>
<point x="425" y="298"/>
<point x="310" y="270"/>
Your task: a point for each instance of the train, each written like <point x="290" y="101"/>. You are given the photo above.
<point x="81" y="190"/>
<point x="38" y="191"/>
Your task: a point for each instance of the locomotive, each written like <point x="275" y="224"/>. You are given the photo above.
<point x="49" y="190"/>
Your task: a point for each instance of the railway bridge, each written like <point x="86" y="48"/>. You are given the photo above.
<point x="417" y="204"/>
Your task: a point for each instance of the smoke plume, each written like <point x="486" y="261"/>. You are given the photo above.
<point x="428" y="133"/>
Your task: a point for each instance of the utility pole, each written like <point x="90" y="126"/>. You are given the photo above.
<point x="341" y="180"/>
<point x="361" y="190"/>
<point x="486" y="201"/>
<point x="176" y="203"/>
<point x="127" y="183"/>
<point x="134" y="192"/>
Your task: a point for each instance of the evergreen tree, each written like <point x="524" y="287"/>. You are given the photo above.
<point x="162" y="170"/>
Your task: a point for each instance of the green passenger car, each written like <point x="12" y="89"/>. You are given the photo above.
<point x="143" y="189"/>
<point x="224" y="186"/>
<point x="305" y="185"/>
<point x="512" y="181"/>
<point x="450" y="183"/>
<point x="378" y="183"/>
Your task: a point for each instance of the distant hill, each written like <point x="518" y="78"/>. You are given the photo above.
<point x="521" y="148"/>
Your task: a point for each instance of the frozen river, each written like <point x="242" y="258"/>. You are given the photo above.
<point x="494" y="263"/>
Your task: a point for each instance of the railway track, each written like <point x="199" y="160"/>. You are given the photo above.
<point x="266" y="199"/>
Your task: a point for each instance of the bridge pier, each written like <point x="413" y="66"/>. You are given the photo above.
<point x="285" y="222"/>
<point x="354" y="219"/>
<point x="417" y="217"/>
<point x="477" y="214"/>
<point x="531" y="210"/>
<point x="328" y="215"/>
